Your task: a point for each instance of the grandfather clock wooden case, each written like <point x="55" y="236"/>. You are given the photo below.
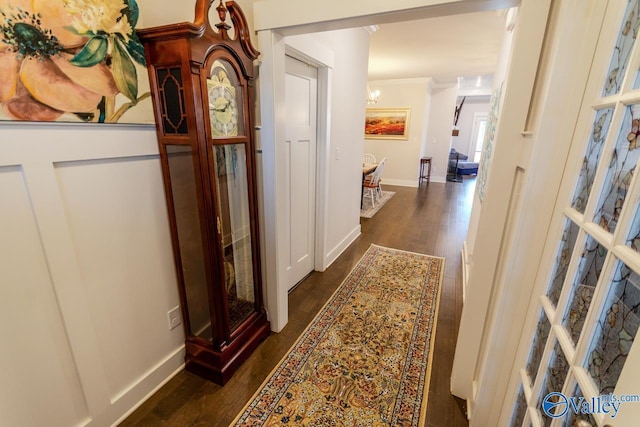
<point x="202" y="86"/>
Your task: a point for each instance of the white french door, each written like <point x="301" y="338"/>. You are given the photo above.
<point x="582" y="343"/>
<point x="301" y="83"/>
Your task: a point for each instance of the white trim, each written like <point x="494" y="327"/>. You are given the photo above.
<point x="272" y="71"/>
<point x="342" y="246"/>
<point x="340" y="14"/>
<point x="311" y="52"/>
<point x="142" y="389"/>
<point x="325" y="76"/>
<point x="466" y="267"/>
<point x="401" y="182"/>
<point x="480" y="92"/>
<point x="439" y="179"/>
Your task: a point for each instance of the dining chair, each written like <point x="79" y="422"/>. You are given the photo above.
<point x="368" y="159"/>
<point x="373" y="183"/>
<point x="379" y="169"/>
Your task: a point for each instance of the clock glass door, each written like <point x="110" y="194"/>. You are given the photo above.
<point x="232" y="189"/>
<point x="234" y="227"/>
<point x="184" y="199"/>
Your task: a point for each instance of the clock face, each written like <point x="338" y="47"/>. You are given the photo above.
<point x="223" y="108"/>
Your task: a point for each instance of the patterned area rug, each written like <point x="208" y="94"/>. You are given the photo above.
<point x="367" y="211"/>
<point x="365" y="359"/>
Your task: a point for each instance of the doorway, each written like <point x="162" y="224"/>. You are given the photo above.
<point x="477" y="136"/>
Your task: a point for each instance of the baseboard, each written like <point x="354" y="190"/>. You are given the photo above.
<point x="341" y="247"/>
<point x="141" y="390"/>
<point x="399" y="182"/>
<point x="414" y="184"/>
<point x="440" y="179"/>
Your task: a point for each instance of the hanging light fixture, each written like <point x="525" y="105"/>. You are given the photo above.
<point x="372" y="96"/>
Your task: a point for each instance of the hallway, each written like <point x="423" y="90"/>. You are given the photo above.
<point x="433" y="220"/>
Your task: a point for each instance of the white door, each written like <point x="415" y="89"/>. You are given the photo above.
<point x="300" y="164"/>
<point x="582" y="364"/>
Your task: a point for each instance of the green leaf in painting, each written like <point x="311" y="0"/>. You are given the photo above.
<point x="133" y="12"/>
<point x="72" y="30"/>
<point x="93" y="52"/>
<point x="136" y="50"/>
<point x="124" y="71"/>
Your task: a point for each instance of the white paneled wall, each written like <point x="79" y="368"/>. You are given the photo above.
<point x="86" y="274"/>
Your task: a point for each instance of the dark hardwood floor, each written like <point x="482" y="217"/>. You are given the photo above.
<point x="432" y="219"/>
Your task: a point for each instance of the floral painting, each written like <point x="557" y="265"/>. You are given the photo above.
<point x="386" y="123"/>
<point x="72" y="60"/>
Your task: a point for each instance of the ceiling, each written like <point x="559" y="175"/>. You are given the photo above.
<point x="443" y="48"/>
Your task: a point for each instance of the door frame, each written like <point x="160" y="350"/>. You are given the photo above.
<point x="271" y="26"/>
<point x="274" y="48"/>
<point x="318" y="56"/>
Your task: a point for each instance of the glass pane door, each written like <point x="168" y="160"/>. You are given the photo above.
<point x="234" y="226"/>
<point x="589" y="314"/>
<point x="192" y="258"/>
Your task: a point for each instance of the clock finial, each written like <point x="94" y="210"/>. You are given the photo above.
<point x="222" y="14"/>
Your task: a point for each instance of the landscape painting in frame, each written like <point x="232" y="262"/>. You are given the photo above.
<point x="389" y="123"/>
<point x="72" y="61"/>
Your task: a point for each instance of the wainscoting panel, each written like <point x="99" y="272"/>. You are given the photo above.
<point x="35" y="362"/>
<point x="87" y="274"/>
<point x="119" y="227"/>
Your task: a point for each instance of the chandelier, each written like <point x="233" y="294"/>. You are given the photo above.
<point x="372" y="96"/>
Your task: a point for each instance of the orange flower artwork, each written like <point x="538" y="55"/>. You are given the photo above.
<point x="392" y="123"/>
<point x="71" y="60"/>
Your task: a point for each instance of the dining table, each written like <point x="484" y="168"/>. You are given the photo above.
<point x="367" y="169"/>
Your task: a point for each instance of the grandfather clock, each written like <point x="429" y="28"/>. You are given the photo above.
<point x="202" y="86"/>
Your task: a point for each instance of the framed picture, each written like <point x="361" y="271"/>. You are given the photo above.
<point x="73" y="61"/>
<point x="386" y="123"/>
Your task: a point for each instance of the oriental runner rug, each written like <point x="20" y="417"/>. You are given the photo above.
<point x="365" y="359"/>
